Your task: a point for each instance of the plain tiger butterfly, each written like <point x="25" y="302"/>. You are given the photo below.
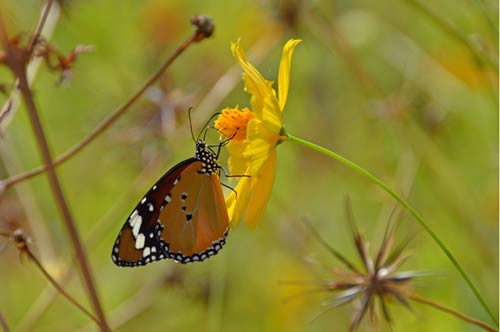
<point x="182" y="217"/>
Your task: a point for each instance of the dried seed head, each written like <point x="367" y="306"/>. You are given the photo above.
<point x="204" y="26"/>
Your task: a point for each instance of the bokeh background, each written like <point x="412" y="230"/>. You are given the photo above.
<point x="408" y="91"/>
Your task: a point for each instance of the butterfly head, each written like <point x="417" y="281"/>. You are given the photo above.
<point x="207" y="157"/>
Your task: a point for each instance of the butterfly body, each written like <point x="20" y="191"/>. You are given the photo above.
<point x="182" y="217"/>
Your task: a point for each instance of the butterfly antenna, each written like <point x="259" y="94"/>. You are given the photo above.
<point x="206" y="131"/>
<point x="191" y="123"/>
<point x="221" y="144"/>
<point x="226" y="141"/>
<point x="206" y="126"/>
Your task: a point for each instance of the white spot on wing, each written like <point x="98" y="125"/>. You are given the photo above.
<point x="146" y="251"/>
<point x="139" y="241"/>
<point x="136" y="224"/>
<point x="132" y="219"/>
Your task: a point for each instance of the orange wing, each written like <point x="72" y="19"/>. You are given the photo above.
<point x="195" y="219"/>
<point x="183" y="216"/>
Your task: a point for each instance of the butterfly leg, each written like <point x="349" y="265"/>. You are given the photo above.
<point x="230" y="188"/>
<point x="227" y="175"/>
<point x="221" y="144"/>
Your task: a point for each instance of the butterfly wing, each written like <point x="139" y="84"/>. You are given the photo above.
<point x="195" y="220"/>
<point x="138" y="241"/>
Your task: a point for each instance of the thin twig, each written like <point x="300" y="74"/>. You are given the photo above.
<point x="16" y="60"/>
<point x="58" y="287"/>
<point x="134" y="305"/>
<point x="6" y="110"/>
<point x="29" y="204"/>
<point x="22" y="243"/>
<point x="39" y="27"/>
<point x="455" y="313"/>
<point x="50" y="8"/>
<point x="40" y="306"/>
<point x="91" y="239"/>
<point x="4" y="324"/>
<point x="106" y="122"/>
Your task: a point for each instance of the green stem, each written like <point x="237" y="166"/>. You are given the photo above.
<point x="405" y="204"/>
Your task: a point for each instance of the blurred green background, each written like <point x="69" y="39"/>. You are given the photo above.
<point x="386" y="84"/>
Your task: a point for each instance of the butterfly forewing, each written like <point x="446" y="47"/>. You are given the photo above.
<point x="199" y="231"/>
<point x="138" y="241"/>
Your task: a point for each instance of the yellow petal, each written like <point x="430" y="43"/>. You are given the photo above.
<point x="257" y="152"/>
<point x="284" y="71"/>
<point x="237" y="200"/>
<point x="238" y="163"/>
<point x="271" y="116"/>
<point x="260" y="192"/>
<point x="260" y="96"/>
<point x="263" y="97"/>
<point x="266" y="130"/>
<point x="254" y="81"/>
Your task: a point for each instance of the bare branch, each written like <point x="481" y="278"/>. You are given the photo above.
<point x="21" y="242"/>
<point x="106" y="123"/>
<point x="16" y="59"/>
<point x="45" y="26"/>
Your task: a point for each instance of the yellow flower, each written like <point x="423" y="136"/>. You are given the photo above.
<point x="254" y="135"/>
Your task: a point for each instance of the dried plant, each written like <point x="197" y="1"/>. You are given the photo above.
<point x="378" y="282"/>
<point x="371" y="288"/>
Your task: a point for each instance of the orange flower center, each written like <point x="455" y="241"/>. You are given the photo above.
<point x="233" y="122"/>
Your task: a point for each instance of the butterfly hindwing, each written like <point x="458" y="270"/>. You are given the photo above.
<point x="138" y="241"/>
<point x="195" y="221"/>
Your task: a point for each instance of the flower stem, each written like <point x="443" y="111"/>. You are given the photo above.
<point x="406" y="205"/>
